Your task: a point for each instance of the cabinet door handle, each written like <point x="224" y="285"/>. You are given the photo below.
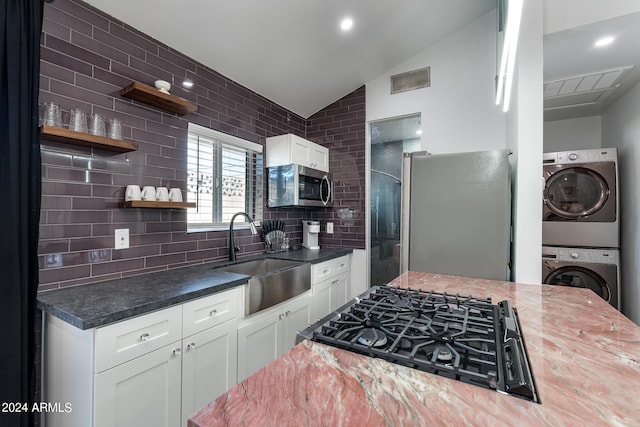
<point x="177" y="351"/>
<point x="335" y="282"/>
<point x="280" y="316"/>
<point x="144" y="336"/>
<point x="288" y="313"/>
<point x="213" y="312"/>
<point x="191" y="346"/>
<point x="325" y="271"/>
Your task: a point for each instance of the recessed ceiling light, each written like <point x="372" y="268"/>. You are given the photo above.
<point x="346" y="24"/>
<point x="604" y="41"/>
<point x="187" y="84"/>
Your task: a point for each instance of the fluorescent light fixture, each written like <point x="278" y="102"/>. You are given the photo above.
<point x="187" y="84"/>
<point x="508" y="59"/>
<point x="604" y="41"/>
<point x="346" y="24"/>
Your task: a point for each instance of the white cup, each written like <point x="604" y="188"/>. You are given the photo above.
<point x="175" y="195"/>
<point x="132" y="193"/>
<point x="148" y="193"/>
<point x="162" y="194"/>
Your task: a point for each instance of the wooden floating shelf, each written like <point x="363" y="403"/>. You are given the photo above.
<point x="156" y="204"/>
<point x="152" y="96"/>
<point x="53" y="133"/>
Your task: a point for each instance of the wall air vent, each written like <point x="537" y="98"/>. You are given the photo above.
<point x="411" y="80"/>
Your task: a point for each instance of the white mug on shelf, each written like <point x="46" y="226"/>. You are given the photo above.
<point x="162" y="194"/>
<point x="132" y="193"/>
<point x="149" y="193"/>
<point x="175" y="195"/>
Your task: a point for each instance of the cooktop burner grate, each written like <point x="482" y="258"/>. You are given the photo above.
<point x="459" y="337"/>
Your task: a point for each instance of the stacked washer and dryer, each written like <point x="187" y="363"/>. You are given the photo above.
<point x="580" y="228"/>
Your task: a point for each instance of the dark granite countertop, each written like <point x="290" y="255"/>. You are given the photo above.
<point x="98" y="304"/>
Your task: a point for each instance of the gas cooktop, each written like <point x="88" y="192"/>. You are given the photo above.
<point x="460" y="337"/>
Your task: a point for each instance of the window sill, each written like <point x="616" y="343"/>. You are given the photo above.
<point x="192" y="228"/>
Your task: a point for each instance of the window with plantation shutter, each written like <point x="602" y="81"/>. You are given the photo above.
<point x="224" y="176"/>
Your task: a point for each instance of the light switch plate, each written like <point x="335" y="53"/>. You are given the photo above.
<point x="122" y="238"/>
<point x="329" y="228"/>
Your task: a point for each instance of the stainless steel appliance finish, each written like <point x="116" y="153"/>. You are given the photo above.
<point x="456" y="214"/>
<point x="273" y="281"/>
<point x="595" y="269"/>
<point x="460" y="337"/>
<point x="295" y="185"/>
<point x="580" y="200"/>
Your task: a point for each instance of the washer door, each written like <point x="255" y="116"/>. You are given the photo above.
<point x="576" y="192"/>
<point x="579" y="277"/>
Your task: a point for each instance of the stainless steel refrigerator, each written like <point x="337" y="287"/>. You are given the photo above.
<point x="456" y="214"/>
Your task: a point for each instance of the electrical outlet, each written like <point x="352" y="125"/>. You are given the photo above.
<point x="329" y="228"/>
<point x="122" y="238"/>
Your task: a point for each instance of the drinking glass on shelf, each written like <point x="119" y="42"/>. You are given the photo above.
<point x="41" y="108"/>
<point x="115" y="128"/>
<point x="97" y="125"/>
<point x="52" y="115"/>
<point x="78" y="120"/>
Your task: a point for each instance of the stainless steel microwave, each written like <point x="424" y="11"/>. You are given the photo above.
<point x="295" y="185"/>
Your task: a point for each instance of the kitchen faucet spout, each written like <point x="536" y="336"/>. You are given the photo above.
<point x="232" y="246"/>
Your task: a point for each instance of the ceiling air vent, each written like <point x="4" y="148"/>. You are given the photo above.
<point x="582" y="90"/>
<point x="411" y="80"/>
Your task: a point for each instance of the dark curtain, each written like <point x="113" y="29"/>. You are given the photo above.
<point x="20" y="28"/>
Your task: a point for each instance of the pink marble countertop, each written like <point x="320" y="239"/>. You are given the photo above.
<point x="585" y="358"/>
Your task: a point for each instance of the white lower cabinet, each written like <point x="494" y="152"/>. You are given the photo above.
<point x="153" y="370"/>
<point x="209" y="366"/>
<point x="266" y="335"/>
<point x="158" y="369"/>
<point x="330" y="285"/>
<point x="144" y="392"/>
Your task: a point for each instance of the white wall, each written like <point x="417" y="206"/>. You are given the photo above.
<point x="524" y="126"/>
<point x="458" y="111"/>
<point x="573" y="134"/>
<point x="459" y="115"/>
<point x="621" y="129"/>
<point x="562" y="15"/>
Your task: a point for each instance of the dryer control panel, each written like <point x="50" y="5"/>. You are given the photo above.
<point x="581" y="156"/>
<point x="594" y="256"/>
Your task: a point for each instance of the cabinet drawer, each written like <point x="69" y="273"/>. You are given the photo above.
<point x="123" y="341"/>
<point x="342" y="264"/>
<point x="209" y="311"/>
<point x="324" y="270"/>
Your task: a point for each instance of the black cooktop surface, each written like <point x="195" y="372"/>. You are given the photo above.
<point x="460" y="337"/>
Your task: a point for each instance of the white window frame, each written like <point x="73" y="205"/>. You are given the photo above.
<point x="216" y="195"/>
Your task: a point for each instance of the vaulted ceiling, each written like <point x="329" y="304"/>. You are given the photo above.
<point x="293" y="52"/>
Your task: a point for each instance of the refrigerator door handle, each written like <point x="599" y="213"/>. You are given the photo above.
<point x="405" y="217"/>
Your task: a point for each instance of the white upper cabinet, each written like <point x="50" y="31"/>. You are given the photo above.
<point x="291" y="149"/>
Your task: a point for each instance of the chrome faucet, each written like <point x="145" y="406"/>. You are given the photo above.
<point x="232" y="246"/>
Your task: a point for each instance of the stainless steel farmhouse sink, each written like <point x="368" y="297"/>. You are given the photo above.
<point x="272" y="281"/>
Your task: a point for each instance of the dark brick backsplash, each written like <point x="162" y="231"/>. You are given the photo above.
<point x="86" y="58"/>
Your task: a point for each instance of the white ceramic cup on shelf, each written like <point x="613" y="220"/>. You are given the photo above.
<point x="149" y="193"/>
<point x="162" y="194"/>
<point x="175" y="195"/>
<point x="132" y="193"/>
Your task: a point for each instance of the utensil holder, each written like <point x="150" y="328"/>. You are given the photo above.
<point x="276" y="241"/>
